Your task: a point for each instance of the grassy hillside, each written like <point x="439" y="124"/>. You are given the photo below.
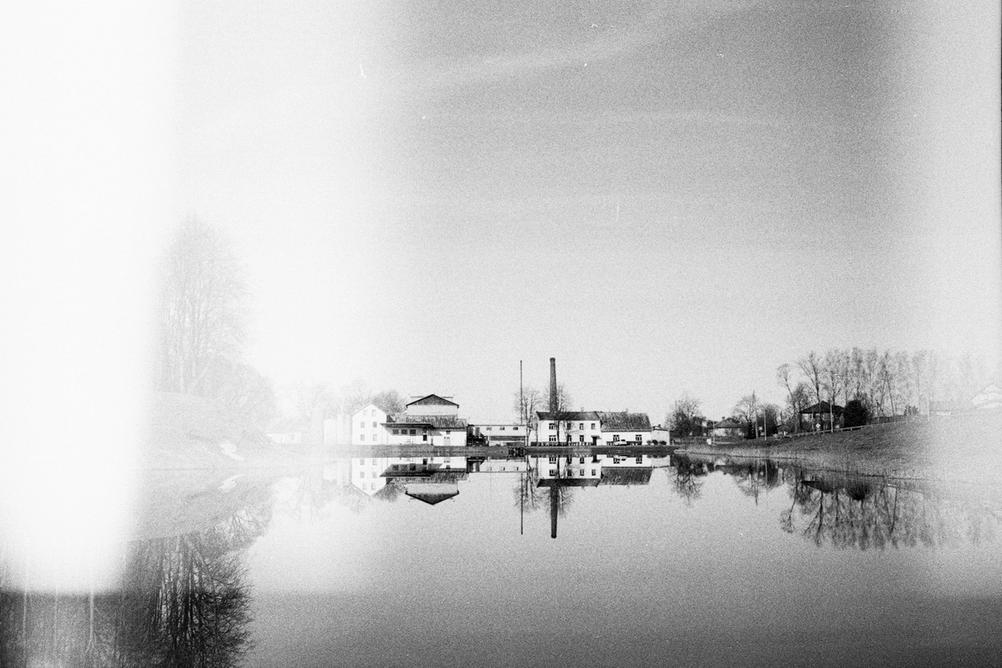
<point x="964" y="447"/>
<point x="195" y="432"/>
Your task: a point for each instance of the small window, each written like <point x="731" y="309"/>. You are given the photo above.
<point x="581" y="440"/>
<point x="424" y="436"/>
<point x="553" y="459"/>
<point x="502" y="428"/>
<point x="413" y="432"/>
<point x="361" y="474"/>
<point x="553" y="438"/>
<point x="593" y="473"/>
<point x="553" y="426"/>
<point x="580" y="425"/>
<point x="396" y="431"/>
<point x="553" y="471"/>
<point x="373" y="424"/>
<point x="581" y="460"/>
<point x="638" y="438"/>
<point x="640" y="459"/>
<point x="615" y="438"/>
<point x="361" y="437"/>
<point x="592" y="425"/>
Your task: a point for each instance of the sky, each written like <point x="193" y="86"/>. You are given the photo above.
<point x="668" y="198"/>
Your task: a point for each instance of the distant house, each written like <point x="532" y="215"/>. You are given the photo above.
<point x="429" y="420"/>
<point x="337" y="429"/>
<point x="367" y="426"/>
<point x="592" y="427"/>
<point x="624" y="427"/>
<point x="568" y="427"/>
<point x="989" y="398"/>
<point x="288" y="432"/>
<point x="821" y="414"/>
<point x="500" y="433"/>
<point x="728" y="428"/>
<point x="426" y="430"/>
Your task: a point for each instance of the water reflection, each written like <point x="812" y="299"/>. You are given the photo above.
<point x="848" y="511"/>
<point x="182" y="600"/>
<point x="185" y="597"/>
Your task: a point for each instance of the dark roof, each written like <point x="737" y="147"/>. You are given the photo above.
<point x="729" y="423"/>
<point x="432" y="493"/>
<point x="821" y="407"/>
<point x="567" y="415"/>
<point x="432" y="400"/>
<point x="567" y="482"/>
<point x="436" y="421"/>
<point x="626" y="475"/>
<point x="624" y="421"/>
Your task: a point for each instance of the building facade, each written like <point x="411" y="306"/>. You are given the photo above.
<point x="367" y="426"/>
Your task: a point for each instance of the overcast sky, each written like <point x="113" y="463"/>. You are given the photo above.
<point x="666" y="197"/>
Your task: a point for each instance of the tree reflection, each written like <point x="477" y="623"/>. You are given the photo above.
<point x="182" y="602"/>
<point x="846" y="511"/>
<point x="851" y="512"/>
<point x="688" y="478"/>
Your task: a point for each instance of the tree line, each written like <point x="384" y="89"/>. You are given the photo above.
<point x="867" y="383"/>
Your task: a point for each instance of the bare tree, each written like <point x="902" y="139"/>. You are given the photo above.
<point x="811" y="366"/>
<point x="747" y="411"/>
<point x="526" y="404"/>
<point x="784" y="376"/>
<point x="201" y="318"/>
<point x="685" y="418"/>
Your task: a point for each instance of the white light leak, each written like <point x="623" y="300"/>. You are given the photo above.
<point x="88" y="90"/>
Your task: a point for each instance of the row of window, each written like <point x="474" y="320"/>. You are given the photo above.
<point x="361" y="425"/>
<point x="570" y="425"/>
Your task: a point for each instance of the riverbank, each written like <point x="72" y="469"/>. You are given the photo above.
<point x="964" y="447"/>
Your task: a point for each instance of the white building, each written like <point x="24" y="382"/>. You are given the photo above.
<point x="430" y="420"/>
<point x="568" y="428"/>
<point x="367" y="426"/>
<point x="624" y="428"/>
<point x="592" y="428"/>
<point x="337" y="429"/>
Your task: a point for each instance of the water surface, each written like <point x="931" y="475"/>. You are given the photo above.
<point x="591" y="559"/>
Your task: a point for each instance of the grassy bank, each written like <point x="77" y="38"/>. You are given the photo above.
<point x="964" y="447"/>
<point x="189" y="432"/>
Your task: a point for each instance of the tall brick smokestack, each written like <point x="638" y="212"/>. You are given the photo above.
<point x="553" y="385"/>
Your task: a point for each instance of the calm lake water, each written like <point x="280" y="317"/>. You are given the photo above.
<point x="590" y="559"/>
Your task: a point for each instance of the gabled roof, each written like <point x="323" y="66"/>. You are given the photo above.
<point x="822" y="407"/>
<point x="432" y="493"/>
<point x="368" y="406"/>
<point x="567" y="415"/>
<point x="434" y="421"/>
<point x="623" y="421"/>
<point x="729" y="423"/>
<point x="433" y="400"/>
